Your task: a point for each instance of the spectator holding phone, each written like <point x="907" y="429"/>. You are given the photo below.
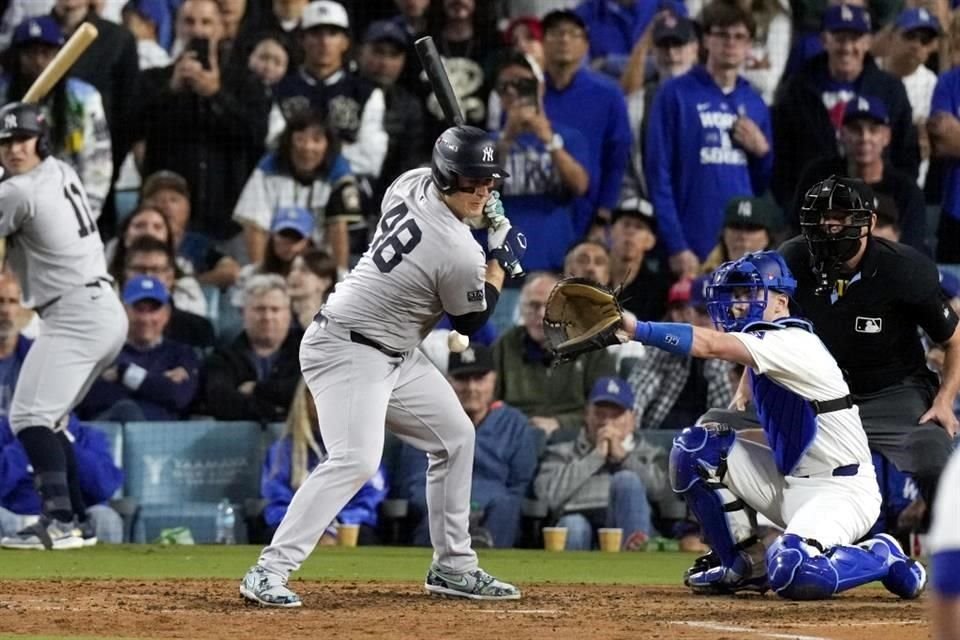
<point x="547" y="164"/>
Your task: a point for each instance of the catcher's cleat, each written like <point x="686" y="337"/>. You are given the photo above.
<point x="708" y="576"/>
<point x="268" y="589"/>
<point x="45" y="533"/>
<point x="906" y="577"/>
<point x="476" y="585"/>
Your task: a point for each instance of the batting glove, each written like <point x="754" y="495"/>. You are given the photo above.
<point x="493" y="211"/>
<point x="510" y="252"/>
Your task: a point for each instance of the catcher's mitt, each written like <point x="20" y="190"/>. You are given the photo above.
<point x="581" y="316"/>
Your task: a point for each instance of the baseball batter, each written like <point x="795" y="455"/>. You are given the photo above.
<point x="54" y="248"/>
<point x="361" y="362"/>
<point x="812" y="475"/>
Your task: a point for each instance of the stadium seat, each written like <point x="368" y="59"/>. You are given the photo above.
<point x="178" y="472"/>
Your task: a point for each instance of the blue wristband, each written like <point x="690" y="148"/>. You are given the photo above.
<point x="674" y="337"/>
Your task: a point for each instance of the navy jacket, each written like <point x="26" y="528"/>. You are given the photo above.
<point x="803" y="130"/>
<point x="158" y="396"/>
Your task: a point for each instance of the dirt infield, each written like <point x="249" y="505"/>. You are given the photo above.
<point x="213" y="609"/>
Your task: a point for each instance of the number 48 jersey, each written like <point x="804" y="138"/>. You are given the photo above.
<point x="422" y="262"/>
<point x="52" y="240"/>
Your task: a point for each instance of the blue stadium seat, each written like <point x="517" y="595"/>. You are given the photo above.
<point x="179" y="471"/>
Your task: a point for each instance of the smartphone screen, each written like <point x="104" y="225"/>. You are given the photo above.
<point x="201" y="47"/>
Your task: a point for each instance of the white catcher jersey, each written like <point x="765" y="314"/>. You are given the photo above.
<point x="797" y="361"/>
<point x="423" y="261"/>
<point x="52" y="241"/>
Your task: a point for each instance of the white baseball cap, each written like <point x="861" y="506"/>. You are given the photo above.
<point x="324" y="12"/>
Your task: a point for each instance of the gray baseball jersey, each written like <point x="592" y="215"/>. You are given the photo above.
<point x="52" y="240"/>
<point x="422" y="262"/>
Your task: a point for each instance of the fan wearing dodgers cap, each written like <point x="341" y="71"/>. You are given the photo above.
<point x="809" y="113"/>
<point x="153" y="378"/>
<point x="864" y="139"/>
<point x="74" y="109"/>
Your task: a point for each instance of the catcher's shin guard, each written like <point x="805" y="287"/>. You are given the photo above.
<point x="697" y="466"/>
<point x="798" y="570"/>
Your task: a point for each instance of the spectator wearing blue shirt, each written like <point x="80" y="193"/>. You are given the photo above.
<point x="504" y="462"/>
<point x="546" y="161"/>
<point x="591" y="103"/>
<point x="708" y="140"/>
<point x="98" y="479"/>
<point x="616" y="25"/>
<point x="291" y="459"/>
<point x="153" y="378"/>
<point x="944" y="128"/>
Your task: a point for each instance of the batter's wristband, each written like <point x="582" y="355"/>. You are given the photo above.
<point x="674" y="337"/>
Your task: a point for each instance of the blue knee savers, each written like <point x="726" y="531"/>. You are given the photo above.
<point x="699" y="453"/>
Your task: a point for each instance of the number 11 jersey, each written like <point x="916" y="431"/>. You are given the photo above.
<point x="52" y="240"/>
<point x="423" y="261"/>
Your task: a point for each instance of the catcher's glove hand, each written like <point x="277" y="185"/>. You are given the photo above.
<point x="581" y="316"/>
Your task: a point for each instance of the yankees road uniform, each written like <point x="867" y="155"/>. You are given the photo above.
<point x="54" y="248"/>
<point x="944" y="538"/>
<point x="361" y="362"/>
<point x="816" y="478"/>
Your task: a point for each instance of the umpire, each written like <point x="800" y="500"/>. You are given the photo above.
<point x="867" y="298"/>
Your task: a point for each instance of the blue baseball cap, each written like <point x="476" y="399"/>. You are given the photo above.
<point x="294" y="219"/>
<point x="950" y="284"/>
<point x="613" y="390"/>
<point x="915" y="19"/>
<point x="155" y="11"/>
<point x="866" y="108"/>
<point x="846" y="17"/>
<point x="145" y="288"/>
<point x="41" y="29"/>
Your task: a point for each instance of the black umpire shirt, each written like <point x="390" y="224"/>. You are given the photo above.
<point x="871" y="329"/>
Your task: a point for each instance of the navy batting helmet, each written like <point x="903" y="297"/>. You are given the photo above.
<point x="21" y="119"/>
<point x="464" y="151"/>
<point x="746" y="283"/>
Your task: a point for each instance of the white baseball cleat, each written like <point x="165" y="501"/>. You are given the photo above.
<point x="268" y="589"/>
<point x="45" y="533"/>
<point x="476" y="585"/>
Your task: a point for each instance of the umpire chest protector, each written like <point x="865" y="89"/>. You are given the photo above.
<point x="869" y="323"/>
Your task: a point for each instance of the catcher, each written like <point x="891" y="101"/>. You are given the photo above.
<point x="811" y="474"/>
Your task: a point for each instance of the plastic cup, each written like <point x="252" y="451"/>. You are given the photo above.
<point x="347" y="535"/>
<point x="610" y="539"/>
<point x="554" y="538"/>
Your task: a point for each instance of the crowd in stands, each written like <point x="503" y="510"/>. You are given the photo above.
<point x="236" y="151"/>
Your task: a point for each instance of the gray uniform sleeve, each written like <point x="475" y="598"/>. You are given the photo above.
<point x="15" y="208"/>
<point x="461" y="285"/>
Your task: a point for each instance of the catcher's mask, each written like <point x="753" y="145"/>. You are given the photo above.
<point x="745" y="284"/>
<point x="835" y="215"/>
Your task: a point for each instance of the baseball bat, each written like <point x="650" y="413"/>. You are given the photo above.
<point x="61" y="63"/>
<point x="437" y="75"/>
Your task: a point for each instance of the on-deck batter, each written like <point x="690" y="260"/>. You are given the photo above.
<point x="361" y="363"/>
<point x="54" y="248"/>
<point x="813" y="474"/>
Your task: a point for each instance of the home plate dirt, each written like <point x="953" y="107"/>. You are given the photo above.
<point x="213" y="609"/>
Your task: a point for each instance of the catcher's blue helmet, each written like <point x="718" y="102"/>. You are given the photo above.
<point x="746" y="283"/>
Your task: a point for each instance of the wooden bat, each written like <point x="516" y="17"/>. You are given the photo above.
<point x="61" y="63"/>
<point x="433" y="65"/>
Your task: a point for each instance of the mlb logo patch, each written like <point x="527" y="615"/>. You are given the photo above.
<point x="868" y="325"/>
<point x="475" y="296"/>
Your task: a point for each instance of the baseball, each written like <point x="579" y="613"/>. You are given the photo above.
<point x="457" y="342"/>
